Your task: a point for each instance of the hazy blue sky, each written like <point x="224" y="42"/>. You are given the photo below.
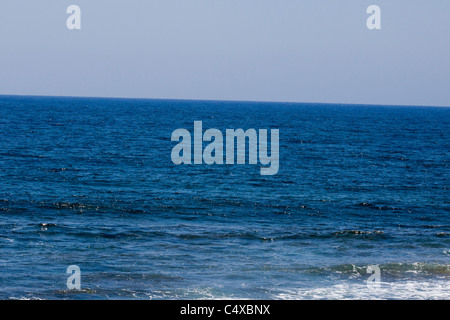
<point x="276" y="50"/>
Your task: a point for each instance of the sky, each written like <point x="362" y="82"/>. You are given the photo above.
<point x="259" y="50"/>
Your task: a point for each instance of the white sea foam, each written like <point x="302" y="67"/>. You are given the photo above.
<point x="405" y="290"/>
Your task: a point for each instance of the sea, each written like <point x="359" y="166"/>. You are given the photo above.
<point x="359" y="209"/>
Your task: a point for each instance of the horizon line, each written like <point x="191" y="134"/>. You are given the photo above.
<point x="224" y="100"/>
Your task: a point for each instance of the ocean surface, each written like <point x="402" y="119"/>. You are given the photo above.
<point x="90" y="182"/>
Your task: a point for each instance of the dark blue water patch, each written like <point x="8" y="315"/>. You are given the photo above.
<point x="90" y="181"/>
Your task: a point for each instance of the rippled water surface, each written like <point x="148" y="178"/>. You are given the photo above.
<point x="90" y="182"/>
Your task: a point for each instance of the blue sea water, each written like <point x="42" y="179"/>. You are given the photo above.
<point x="90" y="182"/>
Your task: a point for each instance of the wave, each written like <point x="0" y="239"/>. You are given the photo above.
<point x="391" y="269"/>
<point x="362" y="234"/>
<point x="403" y="290"/>
<point x="357" y="233"/>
